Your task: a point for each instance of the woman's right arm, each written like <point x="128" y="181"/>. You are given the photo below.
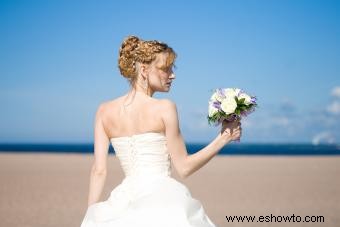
<point x="99" y="166"/>
<point x="184" y="163"/>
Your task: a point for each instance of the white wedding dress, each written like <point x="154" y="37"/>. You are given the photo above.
<point x="148" y="196"/>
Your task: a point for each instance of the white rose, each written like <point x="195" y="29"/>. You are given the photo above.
<point x="230" y="92"/>
<point x="246" y="97"/>
<point x="215" y="97"/>
<point x="229" y="105"/>
<point x="212" y="110"/>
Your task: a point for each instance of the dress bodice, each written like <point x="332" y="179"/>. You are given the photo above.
<point x="143" y="155"/>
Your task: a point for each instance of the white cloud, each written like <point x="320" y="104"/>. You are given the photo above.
<point x="323" y="137"/>
<point x="336" y="92"/>
<point x="334" y="108"/>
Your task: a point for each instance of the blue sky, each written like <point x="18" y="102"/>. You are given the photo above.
<point x="58" y="62"/>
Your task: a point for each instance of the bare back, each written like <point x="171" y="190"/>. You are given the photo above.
<point x="141" y="114"/>
<point x="132" y="114"/>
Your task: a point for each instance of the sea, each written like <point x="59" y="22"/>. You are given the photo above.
<point x="229" y="149"/>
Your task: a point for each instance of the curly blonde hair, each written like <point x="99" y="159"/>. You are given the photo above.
<point x="134" y="49"/>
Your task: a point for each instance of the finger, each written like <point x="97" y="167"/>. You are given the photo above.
<point x="227" y="130"/>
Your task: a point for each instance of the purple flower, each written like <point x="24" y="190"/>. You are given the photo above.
<point x="217" y="105"/>
<point x="253" y="100"/>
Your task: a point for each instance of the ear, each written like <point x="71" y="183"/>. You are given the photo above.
<point x="144" y="69"/>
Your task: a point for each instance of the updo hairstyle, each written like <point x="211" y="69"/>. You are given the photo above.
<point x="135" y="50"/>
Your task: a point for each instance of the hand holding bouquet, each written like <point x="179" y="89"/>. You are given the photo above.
<point x="230" y="104"/>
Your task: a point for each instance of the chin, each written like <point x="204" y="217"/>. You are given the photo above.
<point x="164" y="89"/>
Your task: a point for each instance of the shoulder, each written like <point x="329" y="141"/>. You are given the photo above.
<point x="103" y="108"/>
<point x="168" y="110"/>
<point x="168" y="105"/>
<point x="100" y="112"/>
<point x="108" y="105"/>
<point x="170" y="117"/>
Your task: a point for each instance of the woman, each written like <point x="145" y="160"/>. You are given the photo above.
<point x="146" y="137"/>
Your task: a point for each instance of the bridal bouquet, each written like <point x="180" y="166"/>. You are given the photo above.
<point x="230" y="104"/>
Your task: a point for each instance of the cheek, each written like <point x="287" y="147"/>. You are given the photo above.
<point x="154" y="78"/>
<point x="158" y="76"/>
<point x="164" y="75"/>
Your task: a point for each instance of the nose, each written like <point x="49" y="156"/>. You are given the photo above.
<point x="172" y="76"/>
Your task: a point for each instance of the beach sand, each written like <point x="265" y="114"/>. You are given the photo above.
<point x="45" y="190"/>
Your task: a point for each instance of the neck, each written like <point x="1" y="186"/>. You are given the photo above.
<point x="139" y="89"/>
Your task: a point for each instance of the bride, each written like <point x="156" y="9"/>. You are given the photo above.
<point x="146" y="137"/>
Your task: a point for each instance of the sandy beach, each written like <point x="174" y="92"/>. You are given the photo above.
<point x="45" y="190"/>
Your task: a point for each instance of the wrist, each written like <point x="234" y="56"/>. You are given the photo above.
<point x="223" y="139"/>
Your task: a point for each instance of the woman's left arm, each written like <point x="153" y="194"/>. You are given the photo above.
<point x="99" y="167"/>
